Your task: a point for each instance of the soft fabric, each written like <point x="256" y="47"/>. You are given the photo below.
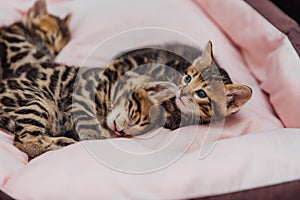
<point x="279" y="19"/>
<point x="234" y="164"/>
<point x="187" y="162"/>
<point x="11" y="158"/>
<point x="291" y="8"/>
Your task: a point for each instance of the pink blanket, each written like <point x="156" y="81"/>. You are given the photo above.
<point x="187" y="162"/>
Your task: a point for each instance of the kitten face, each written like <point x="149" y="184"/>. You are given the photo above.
<point x="130" y="116"/>
<point x="53" y="30"/>
<point x="202" y="93"/>
<point x="139" y="111"/>
<point x="193" y="96"/>
<point x="207" y="91"/>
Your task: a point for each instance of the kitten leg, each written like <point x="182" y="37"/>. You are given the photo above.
<point x="35" y="145"/>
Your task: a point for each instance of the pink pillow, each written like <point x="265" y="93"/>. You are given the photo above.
<point x="234" y="163"/>
<point x="11" y="158"/>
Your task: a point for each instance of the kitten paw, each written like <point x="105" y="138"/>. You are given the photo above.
<point x="62" y="141"/>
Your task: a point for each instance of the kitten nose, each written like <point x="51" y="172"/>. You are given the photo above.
<point x="186" y="91"/>
<point x="182" y="93"/>
<point x="120" y="123"/>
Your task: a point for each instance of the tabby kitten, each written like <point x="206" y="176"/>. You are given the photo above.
<point x="205" y="92"/>
<point x="51" y="105"/>
<point x="38" y="37"/>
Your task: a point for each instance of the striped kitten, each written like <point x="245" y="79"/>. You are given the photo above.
<point x="205" y="91"/>
<point x="38" y="37"/>
<point x="51" y="105"/>
<point x="58" y="105"/>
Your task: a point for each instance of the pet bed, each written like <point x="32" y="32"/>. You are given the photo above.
<point x="255" y="152"/>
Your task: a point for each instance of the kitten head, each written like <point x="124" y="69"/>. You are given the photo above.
<point x="207" y="90"/>
<point x="139" y="110"/>
<point x="52" y="30"/>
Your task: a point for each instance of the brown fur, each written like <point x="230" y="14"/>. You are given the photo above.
<point x="38" y="37"/>
<point x="53" y="105"/>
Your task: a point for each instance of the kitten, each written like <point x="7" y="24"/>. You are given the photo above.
<point x="49" y="105"/>
<point x="38" y="37"/>
<point x="205" y="91"/>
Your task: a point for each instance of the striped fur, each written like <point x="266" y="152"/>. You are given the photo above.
<point x="38" y="37"/>
<point x="53" y="105"/>
<point x="219" y="97"/>
<point x="207" y="91"/>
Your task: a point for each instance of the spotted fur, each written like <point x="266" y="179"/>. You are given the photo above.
<point x="52" y="105"/>
<point x="208" y="95"/>
<point x="207" y="91"/>
<point x="38" y="37"/>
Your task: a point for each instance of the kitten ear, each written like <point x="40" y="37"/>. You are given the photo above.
<point x="38" y="10"/>
<point x="236" y="97"/>
<point x="206" y="58"/>
<point x="67" y="19"/>
<point x="159" y="91"/>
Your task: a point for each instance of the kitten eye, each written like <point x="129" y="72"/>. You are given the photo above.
<point x="51" y="38"/>
<point x="201" y="94"/>
<point x="187" y="79"/>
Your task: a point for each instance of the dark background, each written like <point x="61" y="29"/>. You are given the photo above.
<point x="290" y="7"/>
